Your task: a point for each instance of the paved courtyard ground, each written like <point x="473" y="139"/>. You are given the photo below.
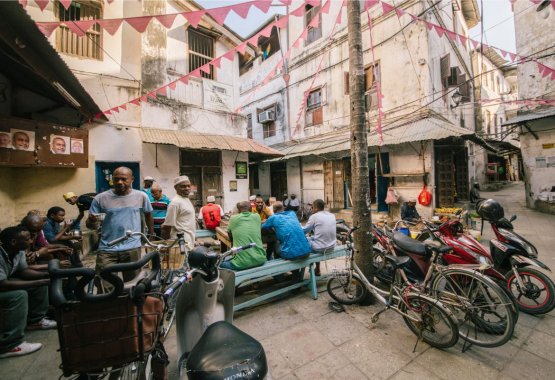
<point x="304" y="339"/>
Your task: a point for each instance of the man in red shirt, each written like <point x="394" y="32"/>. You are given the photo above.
<point x="211" y="214"/>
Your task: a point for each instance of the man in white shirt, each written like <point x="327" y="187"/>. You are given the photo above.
<point x="292" y="203"/>
<point x="322" y="224"/>
<point x="181" y="212"/>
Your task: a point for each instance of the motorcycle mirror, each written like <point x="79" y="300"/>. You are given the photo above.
<point x="458" y="211"/>
<point x="512" y="218"/>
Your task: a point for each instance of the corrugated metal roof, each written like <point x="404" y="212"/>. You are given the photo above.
<point x="550" y="112"/>
<point x="190" y="140"/>
<point x="429" y="128"/>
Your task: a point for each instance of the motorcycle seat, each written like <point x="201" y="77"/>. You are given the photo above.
<point x="410" y="245"/>
<point x="397" y="261"/>
<point x="223" y="352"/>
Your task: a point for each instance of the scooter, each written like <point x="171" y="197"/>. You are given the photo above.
<point x="209" y="345"/>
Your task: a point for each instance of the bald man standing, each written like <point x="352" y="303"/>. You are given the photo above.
<point x="122" y="208"/>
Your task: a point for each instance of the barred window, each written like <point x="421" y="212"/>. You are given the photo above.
<point x="201" y="51"/>
<point x="89" y="45"/>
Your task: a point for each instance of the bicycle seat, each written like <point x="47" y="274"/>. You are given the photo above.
<point x="410" y="245"/>
<point x="397" y="261"/>
<point x="225" y="352"/>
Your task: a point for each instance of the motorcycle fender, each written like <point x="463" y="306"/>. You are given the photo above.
<point x="523" y="261"/>
<point x="478" y="267"/>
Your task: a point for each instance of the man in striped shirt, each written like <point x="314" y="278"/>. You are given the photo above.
<point x="159" y="204"/>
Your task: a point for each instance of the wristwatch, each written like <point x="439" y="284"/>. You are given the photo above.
<point x="37" y="255"/>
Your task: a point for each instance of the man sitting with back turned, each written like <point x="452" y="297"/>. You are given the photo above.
<point x="211" y="213"/>
<point x="322" y="224"/>
<point x="244" y="228"/>
<point x="408" y="211"/>
<point x="292" y="242"/>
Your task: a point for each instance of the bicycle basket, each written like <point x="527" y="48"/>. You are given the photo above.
<point x="98" y="335"/>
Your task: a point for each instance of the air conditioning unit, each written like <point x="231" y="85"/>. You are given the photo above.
<point x="266" y="116"/>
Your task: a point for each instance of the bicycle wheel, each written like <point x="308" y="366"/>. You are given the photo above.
<point x="484" y="312"/>
<point x="139" y="370"/>
<point x="346" y="288"/>
<point x="538" y="294"/>
<point x="429" y="320"/>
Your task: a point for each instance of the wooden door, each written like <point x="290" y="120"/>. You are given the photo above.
<point x="195" y="176"/>
<point x="278" y="180"/>
<point x="212" y="184"/>
<point x="461" y="174"/>
<point x="445" y="178"/>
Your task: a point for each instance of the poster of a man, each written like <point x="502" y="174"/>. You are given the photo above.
<point x="5" y="140"/>
<point x="77" y="146"/>
<point x="23" y="140"/>
<point x="59" y="144"/>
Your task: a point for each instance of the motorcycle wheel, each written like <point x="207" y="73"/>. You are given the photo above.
<point x="539" y="295"/>
<point x="346" y="289"/>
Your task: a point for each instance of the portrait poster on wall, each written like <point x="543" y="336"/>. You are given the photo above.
<point x="59" y="144"/>
<point x="77" y="146"/>
<point x="23" y="140"/>
<point x="232" y="185"/>
<point x="5" y="140"/>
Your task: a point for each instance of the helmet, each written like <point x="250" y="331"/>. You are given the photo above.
<point x="490" y="210"/>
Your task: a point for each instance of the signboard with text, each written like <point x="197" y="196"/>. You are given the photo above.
<point x="217" y="95"/>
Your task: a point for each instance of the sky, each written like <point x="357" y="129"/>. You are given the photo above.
<point x="497" y="18"/>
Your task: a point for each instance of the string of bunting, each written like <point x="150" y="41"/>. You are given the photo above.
<point x="216" y="62"/>
<point x="545" y="71"/>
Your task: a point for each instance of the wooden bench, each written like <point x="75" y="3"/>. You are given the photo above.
<point x="280" y="266"/>
<point x="205" y="233"/>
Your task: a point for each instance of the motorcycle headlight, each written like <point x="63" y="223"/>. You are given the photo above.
<point x="530" y="249"/>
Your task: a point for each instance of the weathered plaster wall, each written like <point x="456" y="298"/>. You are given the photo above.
<point x="228" y="174"/>
<point x="161" y="163"/>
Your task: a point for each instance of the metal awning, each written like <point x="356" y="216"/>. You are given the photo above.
<point x="28" y="59"/>
<point x="398" y="132"/>
<point x="542" y="114"/>
<point x="189" y="140"/>
<point x="503" y="147"/>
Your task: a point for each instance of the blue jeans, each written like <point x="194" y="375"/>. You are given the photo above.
<point x="228" y="265"/>
<point x="17" y="309"/>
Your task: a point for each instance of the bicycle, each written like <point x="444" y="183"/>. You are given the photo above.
<point x="485" y="313"/>
<point x="304" y="212"/>
<point x="425" y="316"/>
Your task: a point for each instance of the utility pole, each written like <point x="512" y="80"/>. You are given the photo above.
<point x="359" y="144"/>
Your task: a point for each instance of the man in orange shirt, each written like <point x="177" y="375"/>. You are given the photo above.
<point x="261" y="209"/>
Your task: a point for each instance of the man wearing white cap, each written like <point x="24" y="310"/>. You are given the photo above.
<point x="211" y="214"/>
<point x="147" y="181"/>
<point x="181" y="212"/>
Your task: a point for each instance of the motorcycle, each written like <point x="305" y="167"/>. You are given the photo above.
<point x="517" y="259"/>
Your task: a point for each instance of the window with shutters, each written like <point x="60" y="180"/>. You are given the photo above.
<point x="249" y="126"/>
<point x="371" y="77"/>
<point x="464" y="88"/>
<point x="314" y="32"/>
<point x="445" y="72"/>
<point x="346" y="84"/>
<point x="90" y="44"/>
<point x="201" y="51"/>
<point x="488" y="122"/>
<point x="314" y="107"/>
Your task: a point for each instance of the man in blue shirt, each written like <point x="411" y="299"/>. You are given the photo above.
<point x="159" y="204"/>
<point x="55" y="233"/>
<point x="292" y="241"/>
<point x="120" y="209"/>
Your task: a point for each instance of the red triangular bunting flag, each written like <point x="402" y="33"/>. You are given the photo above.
<point x="166" y="20"/>
<point x="216" y="62"/>
<point x="111" y="26"/>
<point x="123" y="107"/>
<point x="463" y="39"/>
<point x="387" y="8"/>
<point x="253" y="40"/>
<point x="451" y="35"/>
<point x="314" y="3"/>
<point x="184" y="79"/>
<point x="429" y="25"/>
<point x="439" y="30"/>
<point x="173" y="85"/>
<point x="23" y="3"/>
<point x="194" y="17"/>
<point x="80" y="27"/>
<point x="286" y="2"/>
<point x="195" y="73"/>
<point x="241" y="48"/>
<point x="144" y="99"/>
<point x="297" y="43"/>
<point x="267" y="31"/>
<point x="115" y="109"/>
<point x="399" y="12"/>
<point x="66" y="3"/>
<point x="219" y="14"/>
<point x="163" y="91"/>
<point x="151" y="94"/>
<point x="314" y="22"/>
<point x="512" y="56"/>
<point x="47" y="27"/>
<point x="369" y="4"/>
<point x="326" y="8"/>
<point x="339" y="15"/>
<point x="42" y="4"/>
<point x="298" y="12"/>
<point x="230" y="55"/>
<point x="242" y="10"/>
<point x="474" y="43"/>
<point x="282" y="22"/>
<point x="139" y="23"/>
<point x="264" y="5"/>
<point x="205" y="68"/>
<point x="304" y="35"/>
<point x="109" y="112"/>
<point x="136" y="101"/>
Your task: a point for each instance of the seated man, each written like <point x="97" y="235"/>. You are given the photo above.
<point x="261" y="209"/>
<point x="408" y="211"/>
<point x="23" y="294"/>
<point x="292" y="203"/>
<point x="56" y="233"/>
<point x="211" y="213"/>
<point x="244" y="228"/>
<point x="268" y="236"/>
<point x="323" y="227"/>
<point x="292" y="242"/>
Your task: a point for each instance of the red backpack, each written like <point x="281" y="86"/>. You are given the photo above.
<point x="211" y="216"/>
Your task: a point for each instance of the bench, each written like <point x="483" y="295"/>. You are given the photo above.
<point x="205" y="233"/>
<point x="279" y="266"/>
